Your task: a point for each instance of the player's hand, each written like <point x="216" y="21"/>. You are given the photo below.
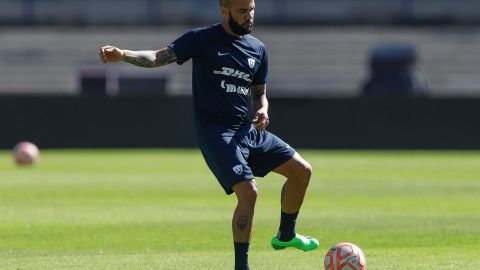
<point x="261" y="120"/>
<point x="111" y="54"/>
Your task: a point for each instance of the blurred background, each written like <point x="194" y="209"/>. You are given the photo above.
<point x="344" y="74"/>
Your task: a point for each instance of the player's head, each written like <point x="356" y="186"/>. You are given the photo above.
<point x="239" y="15"/>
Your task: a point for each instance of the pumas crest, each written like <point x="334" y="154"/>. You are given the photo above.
<point x="238" y="169"/>
<point x="251" y="62"/>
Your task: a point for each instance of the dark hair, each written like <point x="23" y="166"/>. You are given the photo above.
<point x="225" y="2"/>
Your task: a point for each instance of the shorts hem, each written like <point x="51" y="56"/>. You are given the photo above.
<point x="275" y="165"/>
<point x="229" y="190"/>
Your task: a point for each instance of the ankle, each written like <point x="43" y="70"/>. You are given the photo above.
<point x="286" y="231"/>
<point x="241" y="255"/>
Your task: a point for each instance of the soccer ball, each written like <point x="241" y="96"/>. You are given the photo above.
<point x="25" y="153"/>
<point x="345" y="256"/>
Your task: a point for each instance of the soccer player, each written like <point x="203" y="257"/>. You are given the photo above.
<point x="228" y="64"/>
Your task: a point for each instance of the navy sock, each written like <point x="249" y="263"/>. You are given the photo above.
<point x="241" y="256"/>
<point x="286" y="232"/>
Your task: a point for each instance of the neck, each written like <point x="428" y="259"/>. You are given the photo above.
<point x="227" y="29"/>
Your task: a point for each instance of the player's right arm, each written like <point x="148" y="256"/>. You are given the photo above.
<point x="147" y="59"/>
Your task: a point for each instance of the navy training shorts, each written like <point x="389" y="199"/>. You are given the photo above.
<point x="238" y="158"/>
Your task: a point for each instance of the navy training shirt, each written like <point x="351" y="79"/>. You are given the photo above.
<point x="224" y="69"/>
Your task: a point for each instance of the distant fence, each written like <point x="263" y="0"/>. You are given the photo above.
<point x="66" y="122"/>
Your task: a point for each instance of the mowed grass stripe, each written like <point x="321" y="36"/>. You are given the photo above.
<point x="162" y="209"/>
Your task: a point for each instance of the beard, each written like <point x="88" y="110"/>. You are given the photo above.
<point x="239" y="29"/>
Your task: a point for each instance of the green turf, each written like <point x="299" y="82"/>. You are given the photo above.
<point x="162" y="209"/>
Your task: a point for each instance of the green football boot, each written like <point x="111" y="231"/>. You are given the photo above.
<point x="300" y="242"/>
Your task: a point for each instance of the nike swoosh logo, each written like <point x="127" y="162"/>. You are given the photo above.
<point x="222" y="54"/>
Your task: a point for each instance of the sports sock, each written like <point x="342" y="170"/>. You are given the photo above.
<point x="286" y="232"/>
<point x="241" y="255"/>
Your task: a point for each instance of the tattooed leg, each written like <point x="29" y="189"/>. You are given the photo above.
<point x="242" y="221"/>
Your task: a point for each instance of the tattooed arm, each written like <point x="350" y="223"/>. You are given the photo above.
<point x="150" y="58"/>
<point x="147" y="59"/>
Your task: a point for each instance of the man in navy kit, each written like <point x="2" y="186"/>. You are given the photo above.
<point x="228" y="63"/>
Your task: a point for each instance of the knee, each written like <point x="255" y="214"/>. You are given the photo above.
<point x="246" y="192"/>
<point x="308" y="170"/>
<point x="305" y="172"/>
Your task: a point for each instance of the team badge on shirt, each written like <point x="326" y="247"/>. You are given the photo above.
<point x="251" y="62"/>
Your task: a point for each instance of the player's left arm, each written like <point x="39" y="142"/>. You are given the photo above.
<point x="260" y="106"/>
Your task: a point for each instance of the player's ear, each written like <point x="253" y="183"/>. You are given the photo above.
<point x="224" y="12"/>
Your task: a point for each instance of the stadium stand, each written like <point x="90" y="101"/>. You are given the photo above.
<point x="87" y="12"/>
<point x="317" y="46"/>
<point x="305" y="61"/>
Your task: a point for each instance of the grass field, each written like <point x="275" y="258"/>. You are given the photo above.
<point x="162" y="209"/>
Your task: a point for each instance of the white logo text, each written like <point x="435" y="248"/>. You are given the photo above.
<point x="231" y="88"/>
<point x="233" y="73"/>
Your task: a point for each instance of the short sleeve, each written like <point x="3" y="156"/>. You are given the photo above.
<point x="186" y="46"/>
<point x="261" y="76"/>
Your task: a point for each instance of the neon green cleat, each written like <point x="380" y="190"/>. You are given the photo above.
<point x="300" y="242"/>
